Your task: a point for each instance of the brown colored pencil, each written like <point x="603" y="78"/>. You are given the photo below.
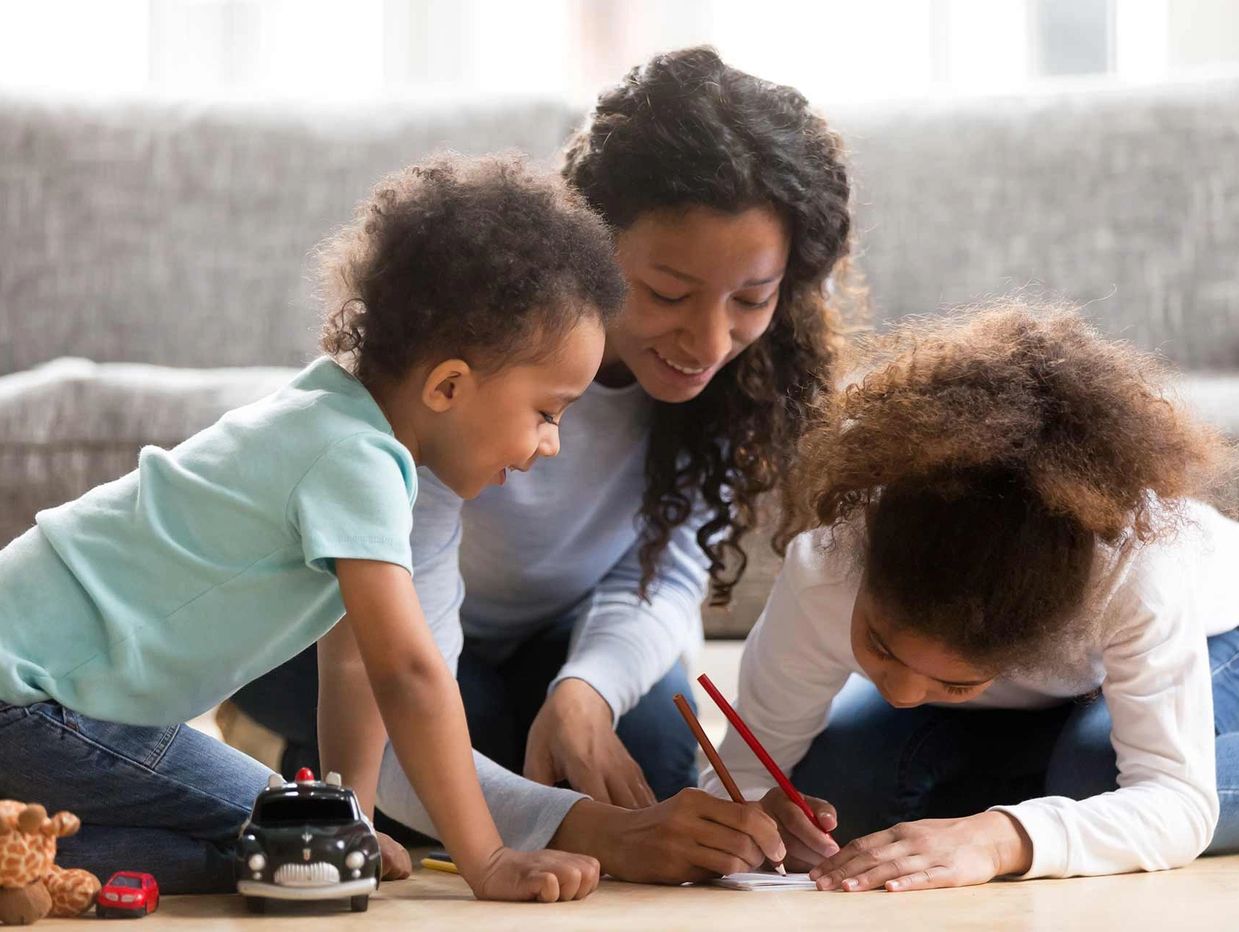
<point x="712" y="756"/>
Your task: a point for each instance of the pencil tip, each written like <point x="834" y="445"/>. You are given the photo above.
<point x="781" y="869"/>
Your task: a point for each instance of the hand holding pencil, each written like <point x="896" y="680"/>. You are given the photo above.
<point x="804" y="823"/>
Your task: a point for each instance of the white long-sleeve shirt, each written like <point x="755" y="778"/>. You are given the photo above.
<point x="561" y="539"/>
<point x="1156" y="606"/>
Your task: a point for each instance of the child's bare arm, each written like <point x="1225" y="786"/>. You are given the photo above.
<point x="350" y="728"/>
<point x="420" y="705"/>
<point x="421" y="708"/>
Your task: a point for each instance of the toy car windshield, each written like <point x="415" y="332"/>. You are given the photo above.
<point x="126" y="882"/>
<point x="293" y="810"/>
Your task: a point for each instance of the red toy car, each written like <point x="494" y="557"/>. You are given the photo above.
<point x="127" y="894"/>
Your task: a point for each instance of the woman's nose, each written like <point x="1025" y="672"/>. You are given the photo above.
<point x="710" y="335"/>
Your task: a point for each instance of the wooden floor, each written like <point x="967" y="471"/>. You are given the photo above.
<point x="1202" y="896"/>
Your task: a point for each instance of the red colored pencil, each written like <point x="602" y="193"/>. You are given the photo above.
<point x="751" y="740"/>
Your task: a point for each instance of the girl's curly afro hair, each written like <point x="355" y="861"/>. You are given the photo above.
<point x="988" y="454"/>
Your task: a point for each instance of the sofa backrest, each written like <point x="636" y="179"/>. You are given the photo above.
<point x="181" y="235"/>
<point x="176" y="234"/>
<point x="1124" y="199"/>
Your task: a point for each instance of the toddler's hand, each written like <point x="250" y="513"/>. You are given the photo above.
<point x="536" y="875"/>
<point x="394" y="857"/>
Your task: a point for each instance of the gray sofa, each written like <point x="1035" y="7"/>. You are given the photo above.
<point x="153" y="257"/>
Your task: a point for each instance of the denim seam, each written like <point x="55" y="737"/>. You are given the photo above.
<point x="112" y="752"/>
<point x="161" y="747"/>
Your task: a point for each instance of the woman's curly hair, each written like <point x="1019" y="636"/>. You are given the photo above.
<point x="686" y="130"/>
<point x="988" y="453"/>
<point x="479" y="258"/>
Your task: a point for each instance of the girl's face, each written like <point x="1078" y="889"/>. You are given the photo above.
<point x="907" y="668"/>
<point x="703" y="285"/>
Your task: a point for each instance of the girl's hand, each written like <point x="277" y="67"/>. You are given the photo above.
<point x="573" y="739"/>
<point x="929" y="853"/>
<point x="394" y="858"/>
<point x="691" y="837"/>
<point x="806" y="845"/>
<point x="546" y="876"/>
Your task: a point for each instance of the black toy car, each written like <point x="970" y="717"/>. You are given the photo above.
<point x="307" y="840"/>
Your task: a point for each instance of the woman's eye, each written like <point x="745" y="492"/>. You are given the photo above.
<point x="666" y="298"/>
<point x="754" y="305"/>
<point x="959" y="690"/>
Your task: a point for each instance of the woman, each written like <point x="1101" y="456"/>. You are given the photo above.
<point x="730" y="204"/>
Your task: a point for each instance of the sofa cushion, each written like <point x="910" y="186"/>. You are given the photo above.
<point x="72" y="424"/>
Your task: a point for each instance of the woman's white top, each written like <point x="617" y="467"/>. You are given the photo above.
<point x="1157" y="604"/>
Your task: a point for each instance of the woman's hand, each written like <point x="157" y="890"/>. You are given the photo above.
<point x="573" y="739"/>
<point x="691" y="837"/>
<point x="547" y="876"/>
<point x="806" y="844"/>
<point x="930" y="853"/>
<point x="394" y="858"/>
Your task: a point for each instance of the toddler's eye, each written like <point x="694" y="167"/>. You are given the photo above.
<point x="549" y="418"/>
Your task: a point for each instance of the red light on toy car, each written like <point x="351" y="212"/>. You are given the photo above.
<point x="305" y="775"/>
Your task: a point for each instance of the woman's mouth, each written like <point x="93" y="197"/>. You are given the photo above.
<point x="681" y="372"/>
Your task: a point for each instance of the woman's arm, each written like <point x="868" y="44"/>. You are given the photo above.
<point x="620" y="649"/>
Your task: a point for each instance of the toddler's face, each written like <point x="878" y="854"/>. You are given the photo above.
<point x="512" y="417"/>
<point x="702" y="286"/>
<point x="907" y="668"/>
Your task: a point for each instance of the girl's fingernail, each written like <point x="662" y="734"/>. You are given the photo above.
<point x="893" y="885"/>
<point x="850" y="884"/>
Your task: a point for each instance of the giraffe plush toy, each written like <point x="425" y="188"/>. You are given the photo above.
<point x="31" y="885"/>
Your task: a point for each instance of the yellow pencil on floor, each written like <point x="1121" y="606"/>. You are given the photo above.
<point x="435" y="864"/>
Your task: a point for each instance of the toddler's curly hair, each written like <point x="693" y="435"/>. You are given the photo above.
<point x="988" y="454"/>
<point x="477" y="258"/>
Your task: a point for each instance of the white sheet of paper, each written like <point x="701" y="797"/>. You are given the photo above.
<point x="765" y="880"/>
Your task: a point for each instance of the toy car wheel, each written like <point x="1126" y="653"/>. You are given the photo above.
<point x="359" y="904"/>
<point x="256" y="904"/>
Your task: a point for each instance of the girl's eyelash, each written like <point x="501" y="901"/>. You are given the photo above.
<point x="873" y="646"/>
<point x="958" y="690"/>
<point x="549" y="418"/>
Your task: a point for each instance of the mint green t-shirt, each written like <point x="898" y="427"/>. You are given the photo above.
<point x="151" y="598"/>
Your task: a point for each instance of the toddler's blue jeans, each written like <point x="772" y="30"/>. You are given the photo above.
<point x="167" y="801"/>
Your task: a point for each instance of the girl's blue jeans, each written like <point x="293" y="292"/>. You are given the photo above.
<point x="167" y="801"/>
<point x="880" y="765"/>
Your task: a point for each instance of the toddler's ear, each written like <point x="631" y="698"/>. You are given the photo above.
<point x="447" y="384"/>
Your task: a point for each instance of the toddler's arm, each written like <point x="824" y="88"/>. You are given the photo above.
<point x="421" y="708"/>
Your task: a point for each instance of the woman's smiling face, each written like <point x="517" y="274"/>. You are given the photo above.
<point x="703" y="285"/>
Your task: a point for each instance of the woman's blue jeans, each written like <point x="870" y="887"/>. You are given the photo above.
<point x="167" y="801"/>
<point x="880" y="765"/>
